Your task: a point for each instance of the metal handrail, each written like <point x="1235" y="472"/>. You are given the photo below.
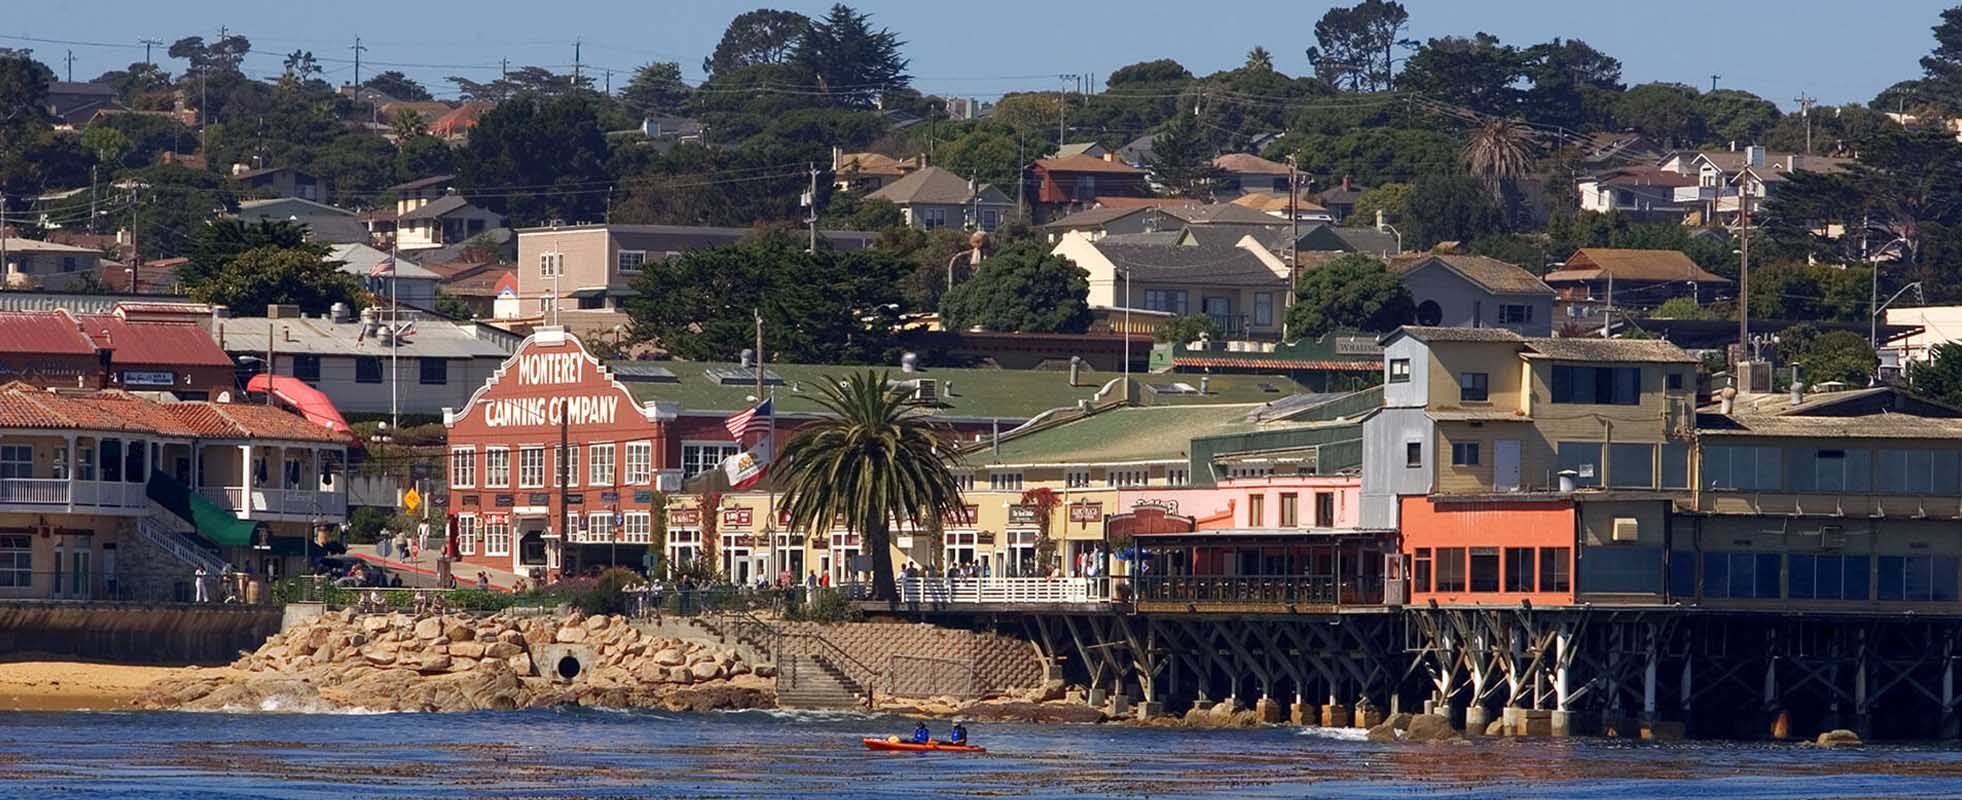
<point x="868" y="678"/>
<point x="156" y="533"/>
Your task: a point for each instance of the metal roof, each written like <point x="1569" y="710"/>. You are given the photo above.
<point x="434" y="338"/>
<point x="43" y="333"/>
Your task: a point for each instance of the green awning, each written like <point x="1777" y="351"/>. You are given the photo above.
<point x="212" y="521"/>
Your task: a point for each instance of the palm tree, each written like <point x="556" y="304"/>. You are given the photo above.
<point x="1499" y="152"/>
<point x="876" y="460"/>
<point x="1259" y="60"/>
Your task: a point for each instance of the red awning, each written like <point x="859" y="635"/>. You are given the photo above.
<point x="310" y="402"/>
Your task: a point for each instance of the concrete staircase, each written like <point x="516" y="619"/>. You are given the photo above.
<point x="810" y="681"/>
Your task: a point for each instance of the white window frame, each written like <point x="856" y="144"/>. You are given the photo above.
<point x="1076" y="477"/>
<point x="17" y="560"/>
<point x="466" y="534"/>
<point x="1005" y="481"/>
<point x="637" y="528"/>
<point x="933" y="218"/>
<point x="600" y="470"/>
<point x="620" y="261"/>
<point x="497" y="538"/>
<point x="1177" y="476"/>
<point x="497" y="467"/>
<point x="1138" y="476"/>
<point x="639" y="463"/>
<point x="463" y="467"/>
<point x="964" y="479"/>
<point x="531" y="466"/>
<point x="551" y="264"/>
<point x="12" y="462"/>
<point x="599" y="527"/>
<point x="694" y="451"/>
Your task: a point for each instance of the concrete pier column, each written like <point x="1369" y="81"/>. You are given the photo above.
<point x="1477" y="719"/>
<point x="1336" y="715"/>
<point x="1269" y="710"/>
<point x="1777" y="722"/>
<point x="1684" y="691"/>
<point x="1120" y="704"/>
<point x="1951" y="724"/>
<point x="1561" y="723"/>
<point x="1149" y="709"/>
<point x="1098" y="696"/>
<point x="1304" y="713"/>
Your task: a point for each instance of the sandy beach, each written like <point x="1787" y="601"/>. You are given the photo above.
<point x="54" y="685"/>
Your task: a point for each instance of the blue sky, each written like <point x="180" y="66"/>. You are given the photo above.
<point x="1777" y="50"/>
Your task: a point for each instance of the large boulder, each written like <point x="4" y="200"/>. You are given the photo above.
<point x="467" y="649"/>
<point x="572" y="634"/>
<point x="429" y="628"/>
<point x="670" y="657"/>
<point x="705" y="671"/>
<point x="1431" y="728"/>
<point x="1839" y="737"/>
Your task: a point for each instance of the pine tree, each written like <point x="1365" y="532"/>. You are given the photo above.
<point x="1180" y="159"/>
<point x="851" y="63"/>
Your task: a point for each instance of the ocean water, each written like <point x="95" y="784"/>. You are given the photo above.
<point x="584" y="753"/>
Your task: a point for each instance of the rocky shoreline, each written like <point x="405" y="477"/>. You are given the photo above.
<point x="400" y="662"/>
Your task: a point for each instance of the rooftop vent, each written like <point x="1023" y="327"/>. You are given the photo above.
<point x="644" y="373"/>
<point x="738" y="376"/>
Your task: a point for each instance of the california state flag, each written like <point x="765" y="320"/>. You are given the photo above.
<point x="744" y="469"/>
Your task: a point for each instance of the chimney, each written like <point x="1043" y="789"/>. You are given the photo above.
<point x="1733" y="145"/>
<point x="1076" y="366"/>
<point x="1727" y="400"/>
<point x="1110" y="156"/>
<point x="282" y="311"/>
<point x="1792" y="163"/>
<point x="1798" y="389"/>
<point x="1345" y="183"/>
<point x="1379" y="220"/>
<point x="837" y="155"/>
<point x="1754" y="155"/>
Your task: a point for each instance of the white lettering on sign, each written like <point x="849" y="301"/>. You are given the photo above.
<point x="588" y="410"/>
<point x="551" y="368"/>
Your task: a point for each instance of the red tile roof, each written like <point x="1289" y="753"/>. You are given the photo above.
<point x="24" y="406"/>
<point x="42" y="333"/>
<point x="1082" y="163"/>
<point x="249" y="420"/>
<point x="144" y="342"/>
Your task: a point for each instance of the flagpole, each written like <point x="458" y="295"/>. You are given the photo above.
<point x="770" y="515"/>
<point x="394" y="346"/>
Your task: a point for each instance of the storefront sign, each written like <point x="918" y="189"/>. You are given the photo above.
<point x="985" y="537"/>
<point x="1086" y="512"/>
<point x="685" y="516"/>
<point x="471" y="500"/>
<point x="967" y="515"/>
<point x="497" y="518"/>
<point x="1167" y="506"/>
<point x="610" y="497"/>
<point x="739" y="540"/>
<point x="138" y="378"/>
<point x="575" y="498"/>
<point x="539" y="498"/>
<point x="736" y="517"/>
<point x="1026" y="515"/>
<point x="643" y="495"/>
<point x="506" y="500"/>
<point x="552" y="369"/>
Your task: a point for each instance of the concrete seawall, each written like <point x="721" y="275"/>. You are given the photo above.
<point x="135" y="633"/>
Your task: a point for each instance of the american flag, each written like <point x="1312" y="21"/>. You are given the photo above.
<point x="756" y="418"/>
<point x="384" y="267"/>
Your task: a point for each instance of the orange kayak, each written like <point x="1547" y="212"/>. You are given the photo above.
<point x="933" y="747"/>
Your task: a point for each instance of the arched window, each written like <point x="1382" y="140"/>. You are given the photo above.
<point x="1429" y="313"/>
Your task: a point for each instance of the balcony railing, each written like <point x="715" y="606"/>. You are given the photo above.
<point x="1005" y="590"/>
<point x="265" y="500"/>
<point x="60" y="492"/>
<point x="1260" y="590"/>
<point x="1231" y="326"/>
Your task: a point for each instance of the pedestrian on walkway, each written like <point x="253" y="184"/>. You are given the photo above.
<point x="384" y="543"/>
<point x="422" y="536"/>
<point x="483" y="581"/>
<point x="402" y="546"/>
<point x="199" y="579"/>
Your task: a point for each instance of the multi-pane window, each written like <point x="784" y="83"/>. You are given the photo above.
<point x="1511" y="314"/>
<point x="599" y="526"/>
<point x="1256" y="510"/>
<point x="638" y="528"/>
<point x="497" y="467"/>
<point x="1464" y="454"/>
<point x="550" y="264"/>
<point x="1076" y="477"/>
<point x="306" y="367"/>
<point x="1450" y="569"/>
<point x="1619" y="386"/>
<point x="497" y="538"/>
<point x="16" y="461"/>
<point x="1519" y="562"/>
<point x="1005" y="481"/>
<point x="931" y="218"/>
<point x="367" y="369"/>
<point x="466" y="534"/>
<point x="640" y="463"/>
<point x="463" y="468"/>
<point x="1126" y="477"/>
<point x="16" y="561"/>
<point x="1485" y="569"/>
<point x="602" y="466"/>
<point x="965" y="480"/>
<point x="1413" y="454"/>
<point x="1915" y="578"/>
<point x="1177" y="476"/>
<point x="632" y="260"/>
<point x="1554" y="565"/>
<point x="700" y="457"/>
<point x="1168" y="300"/>
<point x="531" y="467"/>
<point x="1399" y="370"/>
<point x="1473" y="387"/>
<point x="1290" y="509"/>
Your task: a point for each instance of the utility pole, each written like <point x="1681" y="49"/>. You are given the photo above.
<point x="504" y="68"/>
<point x="135" y="249"/>
<point x="1294" y="238"/>
<point x="3" y="237"/>
<point x="92" y="198"/>
<point x="147" y="44"/>
<point x="575" y="63"/>
<point x="1062" y="107"/>
<point x="1806" y="102"/>
<point x="1744" y="268"/>
<point x="358" y="49"/>
<point x="1608" y="319"/>
<point x="70" y="58"/>
<point x="1713" y="81"/>
<point x="609" y="82"/>
<point x="811" y="219"/>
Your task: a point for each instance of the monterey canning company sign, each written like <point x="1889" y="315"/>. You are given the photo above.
<point x="552" y="380"/>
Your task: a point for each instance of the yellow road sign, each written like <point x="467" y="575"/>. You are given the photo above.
<point x="411" y="499"/>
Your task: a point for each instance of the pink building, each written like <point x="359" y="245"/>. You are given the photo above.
<point x="1277" y="502"/>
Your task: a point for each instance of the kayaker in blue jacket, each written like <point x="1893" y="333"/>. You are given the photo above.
<point x="921" y="735"/>
<point x="958" y="735"/>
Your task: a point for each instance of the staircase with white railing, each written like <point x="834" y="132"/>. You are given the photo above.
<point x="154" y="529"/>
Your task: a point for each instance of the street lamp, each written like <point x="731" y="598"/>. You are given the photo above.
<point x="1873" y="297"/>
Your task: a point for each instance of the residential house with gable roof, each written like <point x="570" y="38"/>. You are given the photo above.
<point x="1640" y="279"/>
<point x="1074" y="183"/>
<point x="1243" y="173"/>
<point x="1242" y="286"/>
<point x="933" y="197"/>
<point x="1475" y="292"/>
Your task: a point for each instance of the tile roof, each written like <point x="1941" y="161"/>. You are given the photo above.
<point x="1277" y="203"/>
<point x="1497" y="277"/>
<point x="247" y="420"/>
<point x="1594" y="263"/>
<point x="1224" y="213"/>
<point x="23" y="406"/>
<point x="1199" y="264"/>
<point x="1094" y="218"/>
<point x="931" y="185"/>
<point x="1082" y="163"/>
<point x="1249" y="164"/>
<point x="460" y="119"/>
<point x="42" y="333"/>
<point x="1611" y="350"/>
<point x="1429" y="334"/>
<point x="147" y="342"/>
<point x="423" y="183"/>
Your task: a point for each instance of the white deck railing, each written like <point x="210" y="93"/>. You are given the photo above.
<point x="1004" y="590"/>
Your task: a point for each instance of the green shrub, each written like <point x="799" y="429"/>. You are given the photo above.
<point x="826" y="605"/>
